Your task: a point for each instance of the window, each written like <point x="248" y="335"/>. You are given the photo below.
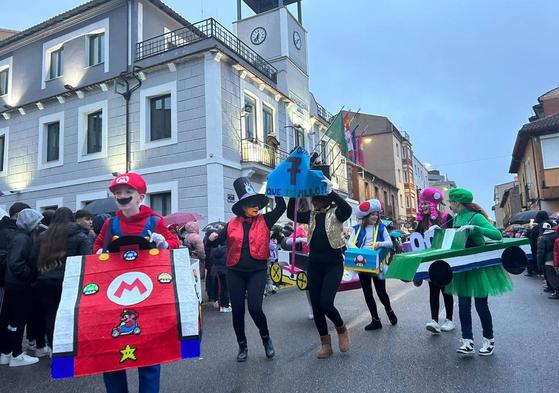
<point x="161" y="203"/>
<point x="399" y="176"/>
<point x="51" y="137"/>
<point x="94" y="132"/>
<point x="56" y="63"/>
<point x="96" y="49"/>
<point x="377" y="196"/>
<point x="323" y="152"/>
<point x="385" y="200"/>
<point x="160" y="116"/>
<point x="397" y="150"/>
<point x="2" y="151"/>
<point x="49" y="204"/>
<point x="267" y="121"/>
<point x="53" y="141"/>
<point x="250" y="117"/>
<point x="299" y="137"/>
<point x="550" y="149"/>
<point x="4" y="77"/>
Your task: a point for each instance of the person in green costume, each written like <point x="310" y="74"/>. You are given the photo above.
<point x="477" y="283"/>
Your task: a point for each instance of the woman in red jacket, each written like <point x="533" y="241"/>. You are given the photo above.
<point x="248" y="240"/>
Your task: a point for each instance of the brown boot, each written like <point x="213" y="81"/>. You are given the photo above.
<point x="325" y="347"/>
<point x="343" y="339"/>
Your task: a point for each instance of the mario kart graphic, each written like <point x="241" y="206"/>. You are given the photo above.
<point x="128" y="324"/>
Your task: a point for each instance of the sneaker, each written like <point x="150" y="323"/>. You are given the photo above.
<point x="5" y="358"/>
<point x="467" y="347"/>
<point x="554" y="296"/>
<point x="216" y="305"/>
<point x="433" y="327"/>
<point x="22" y="360"/>
<point x="547" y="289"/>
<point x="42" y="352"/>
<point x="448" y="326"/>
<point x="225" y="309"/>
<point x="374" y="325"/>
<point x="487" y="348"/>
<point x="310" y="316"/>
<point x="392" y="317"/>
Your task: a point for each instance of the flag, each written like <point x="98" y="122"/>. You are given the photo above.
<point x="360" y="151"/>
<point x="348" y="137"/>
<point x="355" y="142"/>
<point x="336" y="133"/>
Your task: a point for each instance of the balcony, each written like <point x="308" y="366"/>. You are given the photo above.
<point x="253" y="151"/>
<point x="323" y="113"/>
<point x="208" y="28"/>
<point x="340" y="183"/>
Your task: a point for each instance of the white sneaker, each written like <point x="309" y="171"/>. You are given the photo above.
<point x="448" y="326"/>
<point x="487" y="348"/>
<point x="311" y="316"/>
<point x="433" y="327"/>
<point x="467" y="347"/>
<point x="23" y="360"/>
<point x="5" y="359"/>
<point x="42" y="352"/>
<point x="225" y="309"/>
<point x="216" y="305"/>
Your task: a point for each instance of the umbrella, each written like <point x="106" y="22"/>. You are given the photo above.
<point x="100" y="206"/>
<point x="524" y="217"/>
<point x="214" y="225"/>
<point x="181" y="218"/>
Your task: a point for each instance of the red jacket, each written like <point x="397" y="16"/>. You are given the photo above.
<point x="258" y="238"/>
<point x="135" y="225"/>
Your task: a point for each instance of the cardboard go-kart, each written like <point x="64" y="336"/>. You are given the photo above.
<point x="285" y="272"/>
<point x="130" y="307"/>
<point x="437" y="258"/>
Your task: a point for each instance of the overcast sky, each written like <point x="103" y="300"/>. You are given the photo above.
<point x="459" y="77"/>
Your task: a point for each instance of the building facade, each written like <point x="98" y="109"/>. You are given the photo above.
<point x="441" y="182"/>
<point x="534" y="158"/>
<point x="118" y="85"/>
<point x="498" y="195"/>
<point x="420" y="176"/>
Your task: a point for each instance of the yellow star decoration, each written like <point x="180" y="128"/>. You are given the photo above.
<point x="127" y="353"/>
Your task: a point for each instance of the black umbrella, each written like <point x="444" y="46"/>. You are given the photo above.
<point x="214" y="225"/>
<point x="524" y="217"/>
<point x="99" y="206"/>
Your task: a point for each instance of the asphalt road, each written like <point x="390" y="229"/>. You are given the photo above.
<point x="402" y="358"/>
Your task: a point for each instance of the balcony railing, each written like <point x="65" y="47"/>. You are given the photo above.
<point x="341" y="182"/>
<point x="261" y="153"/>
<point x="208" y="28"/>
<point x="323" y="113"/>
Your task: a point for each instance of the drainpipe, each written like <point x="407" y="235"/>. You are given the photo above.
<point x="123" y="82"/>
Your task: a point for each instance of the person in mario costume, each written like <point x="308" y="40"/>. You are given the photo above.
<point x="133" y="219"/>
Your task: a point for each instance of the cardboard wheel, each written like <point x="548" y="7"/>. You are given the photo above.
<point x="514" y="260"/>
<point x="302" y="281"/>
<point x="130" y="243"/>
<point x="275" y="273"/>
<point x="440" y="273"/>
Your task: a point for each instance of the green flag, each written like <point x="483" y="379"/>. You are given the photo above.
<point x="336" y="133"/>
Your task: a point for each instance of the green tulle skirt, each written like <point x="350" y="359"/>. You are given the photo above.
<point x="487" y="281"/>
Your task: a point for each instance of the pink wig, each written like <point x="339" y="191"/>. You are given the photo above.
<point x="435" y="198"/>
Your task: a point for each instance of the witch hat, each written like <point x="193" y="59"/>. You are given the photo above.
<point x="247" y="195"/>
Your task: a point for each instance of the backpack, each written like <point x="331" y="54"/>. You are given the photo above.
<point x="556" y="252"/>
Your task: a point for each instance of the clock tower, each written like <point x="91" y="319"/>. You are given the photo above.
<point x="279" y="37"/>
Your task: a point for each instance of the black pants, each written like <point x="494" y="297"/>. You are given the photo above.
<point x="249" y="285"/>
<point x="17" y="303"/>
<point x="36" y="320"/>
<point x="223" y="290"/>
<point x="465" y="313"/>
<point x="380" y="287"/>
<point x="324" y="280"/>
<point x="50" y="299"/>
<point x="434" y="293"/>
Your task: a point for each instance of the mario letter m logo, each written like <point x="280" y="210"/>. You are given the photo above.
<point x="130" y="288"/>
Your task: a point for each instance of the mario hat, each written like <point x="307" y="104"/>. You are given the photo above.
<point x="368" y="207"/>
<point x="432" y="195"/>
<point x="129" y="179"/>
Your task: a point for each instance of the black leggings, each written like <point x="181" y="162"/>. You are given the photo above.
<point x="50" y="299"/>
<point x="17" y="303"/>
<point x="324" y="280"/>
<point x="434" y="291"/>
<point x="250" y="285"/>
<point x="380" y="287"/>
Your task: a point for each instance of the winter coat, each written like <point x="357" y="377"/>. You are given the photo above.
<point x="545" y="247"/>
<point x="219" y="257"/>
<point x="78" y="242"/>
<point x="193" y="240"/>
<point x="7" y="229"/>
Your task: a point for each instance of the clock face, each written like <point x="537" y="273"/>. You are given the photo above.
<point x="297" y="41"/>
<point x="258" y="35"/>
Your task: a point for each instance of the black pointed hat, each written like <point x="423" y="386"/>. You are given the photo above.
<point x="246" y="194"/>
